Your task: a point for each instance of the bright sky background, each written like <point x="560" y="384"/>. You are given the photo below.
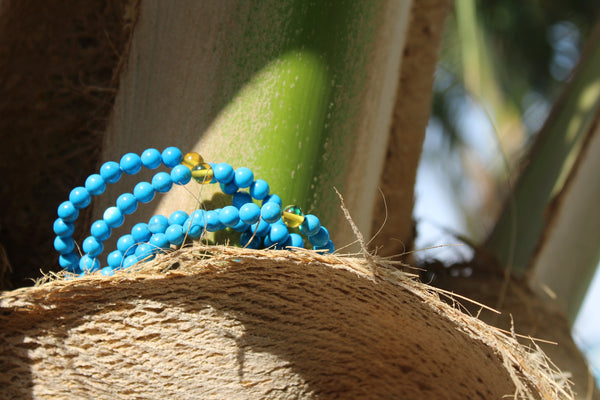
<point x="436" y="216"/>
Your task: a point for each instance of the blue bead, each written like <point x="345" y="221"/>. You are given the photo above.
<point x="129" y="261"/>
<point x="261" y="228"/>
<point x="241" y="226"/>
<point x="70" y="261"/>
<point x="175" y="234"/>
<point x="259" y="189"/>
<point x="329" y="246"/>
<point x="223" y="173"/>
<point x="131" y="163"/>
<point x="92" y="247"/>
<point x="111" y="172"/>
<point x="310" y="226"/>
<point x="294" y="240"/>
<point x="64" y="245"/>
<point x="95" y="184"/>
<point x="279" y="233"/>
<point x="171" y="156"/>
<point x="140" y="232"/>
<point x="249" y="213"/>
<point x="100" y="230"/>
<point x="114" y="217"/>
<point x="127" y="203"/>
<point x="272" y="198"/>
<point x="229" y="216"/>
<point x="89" y="264"/>
<point x="229" y="188"/>
<point x="80" y="197"/>
<point x="158" y="224"/>
<point x="67" y="211"/>
<point x="178" y="217"/>
<point x="143" y="192"/>
<point x="151" y="158"/>
<point x="270" y="212"/>
<point x="245" y="241"/>
<point x="63" y="228"/>
<point x="195" y="225"/>
<point x="107" y="271"/>
<point x="160" y="241"/>
<point x="268" y="243"/>
<point x="243" y="177"/>
<point x="162" y="182"/>
<point x="145" y="252"/>
<point x="180" y="175"/>
<point x="114" y="259"/>
<point x="212" y="221"/>
<point x="240" y="198"/>
<point x="126" y="245"/>
<point x="319" y="239"/>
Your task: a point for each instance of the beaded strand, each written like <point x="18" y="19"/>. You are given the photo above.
<point x="264" y="226"/>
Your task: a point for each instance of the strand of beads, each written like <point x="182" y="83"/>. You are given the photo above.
<point x="261" y="227"/>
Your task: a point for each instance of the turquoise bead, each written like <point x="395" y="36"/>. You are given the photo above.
<point x="151" y="158"/>
<point x="95" y="184"/>
<point x="212" y="221"/>
<point x="243" y="177"/>
<point x="67" y="211"/>
<point x="70" y="262"/>
<point x="261" y="228"/>
<point x="127" y="203"/>
<point x="113" y="217"/>
<point x="181" y="175"/>
<point x="329" y="246"/>
<point x="114" y="259"/>
<point x="80" y="197"/>
<point x="178" y="217"/>
<point x="158" y="224"/>
<point x="159" y="241"/>
<point x="162" y="182"/>
<point x="92" y="247"/>
<point x="229" y="188"/>
<point x="249" y="213"/>
<point x="272" y="198"/>
<point x="278" y="233"/>
<point x="250" y="244"/>
<point x="171" y="156"/>
<point x="89" y="264"/>
<point x="223" y="173"/>
<point x="141" y="233"/>
<point x="131" y="163"/>
<point x="129" y="261"/>
<point x="270" y="212"/>
<point x="319" y="239"/>
<point x="107" y="271"/>
<point x="111" y="172"/>
<point x="143" y="192"/>
<point x="229" y="216"/>
<point x="64" y="245"/>
<point x="144" y="252"/>
<point x="310" y="226"/>
<point x="175" y="234"/>
<point x="100" y="230"/>
<point x="126" y="245"/>
<point x="240" y="198"/>
<point x="259" y="189"/>
<point x="63" y="228"/>
<point x="241" y="226"/>
<point x="294" y="240"/>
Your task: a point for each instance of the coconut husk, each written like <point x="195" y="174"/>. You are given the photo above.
<point x="223" y="322"/>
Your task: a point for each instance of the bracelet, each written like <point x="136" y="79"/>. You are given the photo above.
<point x="261" y="227"/>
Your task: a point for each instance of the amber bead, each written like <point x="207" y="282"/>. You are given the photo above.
<point x="192" y="159"/>
<point x="292" y="216"/>
<point x="203" y="173"/>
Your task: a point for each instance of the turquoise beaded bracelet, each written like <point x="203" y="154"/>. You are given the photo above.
<point x="261" y="227"/>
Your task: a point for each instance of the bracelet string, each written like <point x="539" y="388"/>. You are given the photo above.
<point x="262" y="227"/>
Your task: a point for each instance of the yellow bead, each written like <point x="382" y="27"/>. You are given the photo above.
<point x="192" y="159"/>
<point x="202" y="173"/>
<point x="292" y="216"/>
